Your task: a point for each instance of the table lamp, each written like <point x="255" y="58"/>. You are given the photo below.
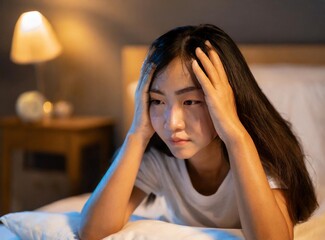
<point x="34" y="42"/>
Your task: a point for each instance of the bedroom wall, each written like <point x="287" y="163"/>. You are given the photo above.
<point x="92" y="33"/>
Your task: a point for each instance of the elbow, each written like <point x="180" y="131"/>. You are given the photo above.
<point x="95" y="233"/>
<point x="84" y="235"/>
<point x="91" y="235"/>
<point x="87" y="234"/>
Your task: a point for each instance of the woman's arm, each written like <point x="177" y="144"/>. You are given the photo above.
<point x="263" y="212"/>
<point x="115" y="198"/>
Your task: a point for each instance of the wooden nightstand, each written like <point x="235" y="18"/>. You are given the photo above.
<point x="59" y="136"/>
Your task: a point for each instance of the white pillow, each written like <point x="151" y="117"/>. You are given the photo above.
<point x="42" y="225"/>
<point x="313" y="229"/>
<point x="298" y="93"/>
<point x="64" y="226"/>
<point x="159" y="230"/>
<point x="69" y="204"/>
<point x="6" y="234"/>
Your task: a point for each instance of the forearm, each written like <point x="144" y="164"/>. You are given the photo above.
<point x="260" y="215"/>
<point x="105" y="212"/>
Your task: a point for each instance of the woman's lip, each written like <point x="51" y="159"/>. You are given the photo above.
<point x="179" y="141"/>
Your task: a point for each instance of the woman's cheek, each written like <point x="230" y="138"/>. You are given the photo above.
<point x="155" y="118"/>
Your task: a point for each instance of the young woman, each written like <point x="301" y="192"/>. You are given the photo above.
<point x="206" y="138"/>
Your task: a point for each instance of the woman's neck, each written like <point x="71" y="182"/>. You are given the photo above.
<point x="208" y="168"/>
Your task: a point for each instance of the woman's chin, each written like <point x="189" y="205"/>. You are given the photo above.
<point x="182" y="154"/>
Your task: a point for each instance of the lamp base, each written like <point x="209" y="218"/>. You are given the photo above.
<point x="29" y="106"/>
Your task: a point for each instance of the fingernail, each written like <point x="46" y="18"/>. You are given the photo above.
<point x="207" y="42"/>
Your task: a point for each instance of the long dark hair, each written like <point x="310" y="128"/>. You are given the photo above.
<point x="279" y="150"/>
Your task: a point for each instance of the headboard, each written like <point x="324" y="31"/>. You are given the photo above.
<point x="133" y="56"/>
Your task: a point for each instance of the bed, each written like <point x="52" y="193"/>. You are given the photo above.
<point x="292" y="76"/>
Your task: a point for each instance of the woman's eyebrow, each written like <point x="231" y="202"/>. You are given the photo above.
<point x="177" y="92"/>
<point x="187" y="89"/>
<point x="153" y="90"/>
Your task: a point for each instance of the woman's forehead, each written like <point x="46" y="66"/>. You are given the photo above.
<point x="176" y="75"/>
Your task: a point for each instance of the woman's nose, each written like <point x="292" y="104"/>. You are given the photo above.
<point x="174" y="119"/>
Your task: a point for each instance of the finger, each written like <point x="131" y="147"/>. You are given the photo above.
<point x="146" y="62"/>
<point x="204" y="81"/>
<point x="147" y="72"/>
<point x="148" y="77"/>
<point x="145" y="69"/>
<point x="216" y="61"/>
<point x="208" y="66"/>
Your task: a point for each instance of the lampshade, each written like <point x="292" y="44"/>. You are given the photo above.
<point x="34" y="40"/>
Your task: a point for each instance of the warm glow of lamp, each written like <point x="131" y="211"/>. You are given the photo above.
<point x="34" y="40"/>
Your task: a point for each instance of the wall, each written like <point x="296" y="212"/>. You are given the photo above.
<point x="88" y="73"/>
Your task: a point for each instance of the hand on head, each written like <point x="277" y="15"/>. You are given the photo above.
<point x="219" y="95"/>
<point x="141" y="120"/>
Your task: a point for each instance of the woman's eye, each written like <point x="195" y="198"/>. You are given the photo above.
<point x="191" y="102"/>
<point x="155" y="102"/>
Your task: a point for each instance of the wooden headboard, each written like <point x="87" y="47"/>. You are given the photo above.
<point x="133" y="56"/>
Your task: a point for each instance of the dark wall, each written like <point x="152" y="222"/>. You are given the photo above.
<point x="92" y="33"/>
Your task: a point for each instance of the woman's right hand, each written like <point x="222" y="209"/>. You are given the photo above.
<point x="116" y="197"/>
<point x="141" y="123"/>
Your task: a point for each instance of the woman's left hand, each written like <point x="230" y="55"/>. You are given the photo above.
<point x="218" y="93"/>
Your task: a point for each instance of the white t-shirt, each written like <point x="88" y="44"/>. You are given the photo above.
<point x="167" y="176"/>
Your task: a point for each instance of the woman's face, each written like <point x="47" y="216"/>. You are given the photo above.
<point x="178" y="111"/>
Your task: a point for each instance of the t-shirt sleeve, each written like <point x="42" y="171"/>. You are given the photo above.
<point x="274" y="184"/>
<point x="148" y="175"/>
